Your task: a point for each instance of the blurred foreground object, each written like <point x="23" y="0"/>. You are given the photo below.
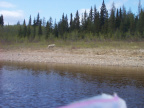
<point x="101" y="101"/>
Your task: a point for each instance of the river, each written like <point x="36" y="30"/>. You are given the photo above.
<point x="49" y="85"/>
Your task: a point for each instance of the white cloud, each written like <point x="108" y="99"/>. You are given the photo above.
<point x="118" y="3"/>
<point x="12" y="17"/>
<point x="4" y="4"/>
<point x="81" y="11"/>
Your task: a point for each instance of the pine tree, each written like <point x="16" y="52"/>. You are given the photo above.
<point x="90" y="21"/>
<point x="38" y="19"/>
<point x="71" y="22"/>
<point x="44" y="22"/>
<point x="96" y="21"/>
<point x="40" y="29"/>
<point x="85" y="22"/>
<point x="105" y="27"/>
<point x="66" y="24"/>
<point x="60" y="28"/>
<point x="117" y="23"/>
<point x="139" y="8"/>
<point x="63" y="25"/>
<point x="30" y="21"/>
<point x="76" y="21"/>
<point x="51" y="24"/>
<point x="24" y="29"/>
<point x="131" y="20"/>
<point x="34" y="29"/>
<point x="95" y="12"/>
<point x="29" y="27"/>
<point x="141" y="23"/>
<point x="91" y="15"/>
<point x="112" y="19"/>
<point x="85" y="16"/>
<point x="1" y="20"/>
<point x="103" y="15"/>
<point x="124" y="24"/>
<point x="29" y="31"/>
<point x="120" y="14"/>
<point x="20" y="32"/>
<point x="47" y="30"/>
<point x="55" y="30"/>
<point x="18" y="23"/>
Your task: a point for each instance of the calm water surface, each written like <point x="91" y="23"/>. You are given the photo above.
<point x="51" y="86"/>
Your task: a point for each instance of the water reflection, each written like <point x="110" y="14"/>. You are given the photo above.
<point x="51" y="85"/>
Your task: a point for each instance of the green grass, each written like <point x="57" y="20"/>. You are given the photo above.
<point x="103" y="44"/>
<point x="77" y="44"/>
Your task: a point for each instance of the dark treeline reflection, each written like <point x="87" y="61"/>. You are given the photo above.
<point x="74" y="82"/>
<point x="100" y="73"/>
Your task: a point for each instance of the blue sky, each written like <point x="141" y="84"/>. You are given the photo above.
<point x="18" y="10"/>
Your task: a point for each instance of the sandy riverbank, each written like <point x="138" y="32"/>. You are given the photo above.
<point x="90" y="56"/>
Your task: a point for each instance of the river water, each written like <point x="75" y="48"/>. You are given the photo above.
<point x="49" y="86"/>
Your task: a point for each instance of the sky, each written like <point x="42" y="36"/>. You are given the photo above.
<point x="18" y="10"/>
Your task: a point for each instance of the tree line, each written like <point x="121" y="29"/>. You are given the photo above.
<point x="116" y="24"/>
<point x="1" y="20"/>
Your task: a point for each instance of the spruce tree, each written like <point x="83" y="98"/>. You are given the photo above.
<point x="141" y="23"/>
<point x="63" y="25"/>
<point x="124" y="23"/>
<point x="103" y="15"/>
<point x="24" y="29"/>
<point x="40" y="29"/>
<point x="66" y="24"/>
<point x="71" y="23"/>
<point x="51" y="24"/>
<point x="71" y="19"/>
<point x="29" y="27"/>
<point x="131" y="20"/>
<point x="85" y="16"/>
<point x="77" y="22"/>
<point x="34" y="29"/>
<point x="29" y="31"/>
<point x="85" y="21"/>
<point x="44" y="22"/>
<point x="38" y="19"/>
<point x="91" y="14"/>
<point x="90" y="21"/>
<point x="117" y="23"/>
<point x="20" y="32"/>
<point x="1" y="20"/>
<point x="18" y="23"/>
<point x="112" y="19"/>
<point x="105" y="27"/>
<point x="47" y="29"/>
<point x="60" y="28"/>
<point x="96" y="21"/>
<point x="95" y="12"/>
<point x="139" y="8"/>
<point x="55" y="30"/>
<point x="120" y="14"/>
<point x="30" y="21"/>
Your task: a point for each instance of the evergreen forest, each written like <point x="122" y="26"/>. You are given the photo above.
<point x="116" y="24"/>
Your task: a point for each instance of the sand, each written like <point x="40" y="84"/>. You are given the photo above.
<point x="87" y="56"/>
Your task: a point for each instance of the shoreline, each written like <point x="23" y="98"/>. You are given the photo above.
<point x="82" y="56"/>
